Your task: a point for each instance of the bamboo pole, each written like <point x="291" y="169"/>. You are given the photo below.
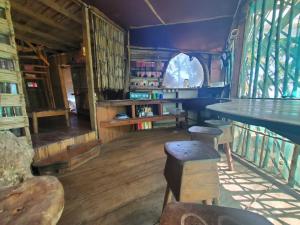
<point x="255" y="156"/>
<point x="89" y="67"/>
<point x="262" y="148"/>
<point x="294" y="163"/>
<point x="259" y="48"/>
<point x="268" y="52"/>
<point x="252" y="50"/>
<point x="277" y="48"/>
<point x="297" y="60"/>
<point x="287" y="53"/>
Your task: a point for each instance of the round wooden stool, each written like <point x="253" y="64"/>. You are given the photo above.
<point x="191" y="214"/>
<point x="191" y="172"/>
<point x="225" y="138"/>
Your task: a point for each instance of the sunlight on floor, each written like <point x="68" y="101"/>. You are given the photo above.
<point x="243" y="188"/>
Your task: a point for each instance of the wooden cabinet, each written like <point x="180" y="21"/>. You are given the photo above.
<point x="110" y="128"/>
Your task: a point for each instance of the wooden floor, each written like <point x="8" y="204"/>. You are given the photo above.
<point x="54" y="129"/>
<point x="125" y="186"/>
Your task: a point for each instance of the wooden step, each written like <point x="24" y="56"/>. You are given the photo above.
<point x="73" y="157"/>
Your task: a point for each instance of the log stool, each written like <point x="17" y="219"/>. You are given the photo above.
<point x="196" y="214"/>
<point x="191" y="172"/>
<point x="225" y="138"/>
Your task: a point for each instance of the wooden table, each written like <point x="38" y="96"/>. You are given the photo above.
<point x="280" y="116"/>
<point x="191" y="214"/>
<point x="38" y="200"/>
<point x="48" y="113"/>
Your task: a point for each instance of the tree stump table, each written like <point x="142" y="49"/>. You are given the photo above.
<point x="38" y="200"/>
<point x="195" y="214"/>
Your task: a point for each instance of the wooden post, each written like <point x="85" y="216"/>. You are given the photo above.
<point x="294" y="164"/>
<point x="35" y="123"/>
<point x="89" y="67"/>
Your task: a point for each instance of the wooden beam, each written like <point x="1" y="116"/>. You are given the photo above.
<point x="45" y="36"/>
<point x="186" y="21"/>
<point x="25" y="37"/>
<point x="154" y="11"/>
<point x="18" y="8"/>
<point x="89" y="67"/>
<point x="53" y="5"/>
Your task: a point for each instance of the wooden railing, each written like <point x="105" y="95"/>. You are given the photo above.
<point x="268" y="151"/>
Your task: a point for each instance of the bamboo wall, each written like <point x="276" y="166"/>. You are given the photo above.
<point x="108" y="46"/>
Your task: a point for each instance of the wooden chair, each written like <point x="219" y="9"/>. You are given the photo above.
<point x="191" y="172"/>
<point x="191" y="214"/>
<point x="209" y="135"/>
<point x="225" y="139"/>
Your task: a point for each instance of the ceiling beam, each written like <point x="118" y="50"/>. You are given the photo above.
<point x="207" y="19"/>
<point x="53" y="5"/>
<point x="154" y="11"/>
<point x="25" y="37"/>
<point x="19" y="8"/>
<point x="45" y="36"/>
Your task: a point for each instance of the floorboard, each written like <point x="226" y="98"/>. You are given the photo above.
<point x="125" y="185"/>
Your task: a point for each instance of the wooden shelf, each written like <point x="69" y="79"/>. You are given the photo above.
<point x="132" y="121"/>
<point x="145" y="78"/>
<point x="129" y="102"/>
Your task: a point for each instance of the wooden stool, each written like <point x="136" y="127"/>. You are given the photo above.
<point x="191" y="172"/>
<point x="225" y="138"/>
<point x="207" y="135"/>
<point x="191" y="214"/>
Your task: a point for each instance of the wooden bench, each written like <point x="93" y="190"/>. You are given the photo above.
<point x="48" y="113"/>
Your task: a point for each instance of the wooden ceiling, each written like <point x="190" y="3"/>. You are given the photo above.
<point x="55" y="24"/>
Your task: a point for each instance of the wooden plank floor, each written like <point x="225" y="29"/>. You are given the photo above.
<point x="125" y="185"/>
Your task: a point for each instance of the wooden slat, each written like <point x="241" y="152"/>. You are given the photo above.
<point x="4" y="27"/>
<point x="55" y="6"/>
<point x="13" y="122"/>
<point x="11" y="100"/>
<point x="8" y="76"/>
<point x="45" y="36"/>
<point x="115" y="123"/>
<point x="31" y="38"/>
<point x="19" y="8"/>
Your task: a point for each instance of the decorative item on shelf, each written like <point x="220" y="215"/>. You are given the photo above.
<point x="144" y="126"/>
<point x="139" y="95"/>
<point x="7" y="64"/>
<point x="157" y="95"/>
<point x="144" y="111"/>
<point x="122" y="116"/>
